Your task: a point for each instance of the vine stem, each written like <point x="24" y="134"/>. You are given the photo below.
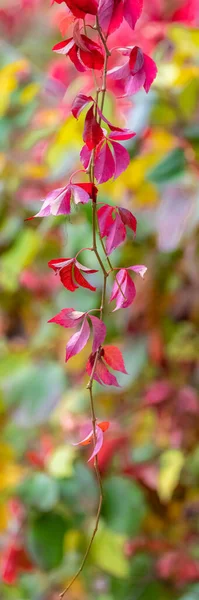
<point x="94" y="248"/>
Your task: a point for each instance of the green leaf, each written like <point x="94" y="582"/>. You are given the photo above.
<point x="108" y="553"/>
<point x="81" y="485"/>
<point x="171" y="166"/>
<point x="124" y="505"/>
<point x="36" y="389"/>
<point x="39" y="491"/>
<point x="18" y="257"/>
<point x="192" y="593"/>
<point x="45" y="539"/>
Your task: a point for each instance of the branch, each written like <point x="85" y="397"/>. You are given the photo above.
<point x="94" y="248"/>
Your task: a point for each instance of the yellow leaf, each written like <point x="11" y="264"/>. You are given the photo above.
<point x="108" y="552"/>
<point x="70" y="130"/>
<point x="29" y="93"/>
<point x="60" y="464"/>
<point x="71" y="539"/>
<point x="11" y="473"/>
<point x="186" y="74"/>
<point x="147" y="194"/>
<point x="186" y="40"/>
<point x="167" y="75"/>
<point x="4" y="515"/>
<point x="9" y="82"/>
<point x="171" y="463"/>
<point x="34" y="171"/>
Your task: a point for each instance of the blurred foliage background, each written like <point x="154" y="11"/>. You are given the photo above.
<point x="147" y="545"/>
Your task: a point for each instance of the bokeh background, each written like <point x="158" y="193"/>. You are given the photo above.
<point x="147" y="545"/>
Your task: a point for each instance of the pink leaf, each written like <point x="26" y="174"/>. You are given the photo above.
<point x="134" y="83"/>
<point x="57" y="202"/>
<point x="80" y="195"/>
<point x="121" y="134"/>
<point x="78" y="341"/>
<point x="120" y="72"/>
<point x="122" y="159"/>
<point x="67" y="317"/>
<point x="132" y="11"/>
<point x="93" y="133"/>
<point x="110" y="14"/>
<point x="86" y="441"/>
<point x="117" y="133"/>
<point x="79" y="103"/>
<point x="116" y="235"/>
<point x="85" y="156"/>
<point x="85" y="269"/>
<point x="158" y="392"/>
<point x="104" y="164"/>
<point x="99" y="332"/>
<point x="127" y="218"/>
<point x="99" y="442"/>
<point x="114" y="358"/>
<point x="125" y="292"/>
<point x="141" y="269"/>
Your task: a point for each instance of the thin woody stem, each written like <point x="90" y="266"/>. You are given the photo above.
<point x="89" y="386"/>
<point x="110" y="265"/>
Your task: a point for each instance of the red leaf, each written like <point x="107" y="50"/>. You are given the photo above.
<point x="93" y="58"/>
<point x="101" y="373"/>
<point x="132" y="11"/>
<point x="105" y="219"/>
<point x="136" y="60"/>
<point x="128" y="219"/>
<point x="66" y="276"/>
<point x="93" y="133"/>
<point x="79" y="103"/>
<point x="82" y="281"/>
<point x="80" y="8"/>
<point x="104" y="374"/>
<point x="104" y="425"/>
<point x="113" y="357"/>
